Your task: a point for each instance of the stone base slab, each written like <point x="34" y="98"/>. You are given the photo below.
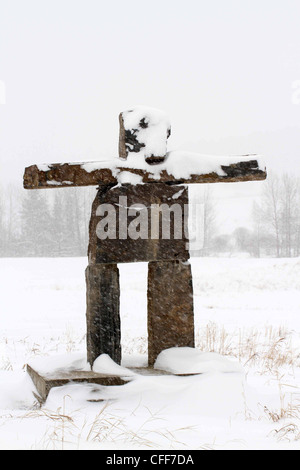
<point x="44" y="383"/>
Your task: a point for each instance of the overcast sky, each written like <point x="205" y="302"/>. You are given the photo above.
<point x="218" y="68"/>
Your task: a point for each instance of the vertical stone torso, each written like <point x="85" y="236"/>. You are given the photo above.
<point x="147" y="222"/>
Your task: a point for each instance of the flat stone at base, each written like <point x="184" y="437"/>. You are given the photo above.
<point x="44" y="383"/>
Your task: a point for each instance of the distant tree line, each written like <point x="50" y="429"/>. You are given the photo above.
<point x="55" y="223"/>
<point x="44" y="223"/>
<point x="275" y="228"/>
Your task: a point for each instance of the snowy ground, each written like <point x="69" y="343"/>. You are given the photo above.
<point x="247" y="310"/>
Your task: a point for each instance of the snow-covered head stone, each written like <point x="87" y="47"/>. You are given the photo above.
<point x="144" y="131"/>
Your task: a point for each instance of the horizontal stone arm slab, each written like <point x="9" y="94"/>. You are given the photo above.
<point x="179" y="168"/>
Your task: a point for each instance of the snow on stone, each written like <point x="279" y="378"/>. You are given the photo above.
<point x="58" y="183"/>
<point x="154" y="136"/>
<point x="151" y="128"/>
<point x="105" y="365"/>
<point x="177" y="195"/>
<point x="181" y="165"/>
<point x="185" y="164"/>
<point x="89" y="167"/>
<point x="55" y="363"/>
<point x="44" y="167"/>
<point x="193" y="361"/>
<point x="126" y="177"/>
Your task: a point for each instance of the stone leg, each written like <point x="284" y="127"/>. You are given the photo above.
<point x="170" y="307"/>
<point x="103" y="312"/>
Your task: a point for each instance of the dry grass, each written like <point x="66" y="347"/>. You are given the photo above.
<point x="272" y="352"/>
<point x="289" y="410"/>
<point x="63" y="430"/>
<point x="14" y="351"/>
<point x="289" y="432"/>
<point x="267" y="350"/>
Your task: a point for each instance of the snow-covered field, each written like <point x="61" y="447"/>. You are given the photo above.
<point x="247" y="310"/>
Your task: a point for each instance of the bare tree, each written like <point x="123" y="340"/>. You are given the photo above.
<point x="288" y="213"/>
<point x="271" y="202"/>
<point x="209" y="219"/>
<point x="258" y="221"/>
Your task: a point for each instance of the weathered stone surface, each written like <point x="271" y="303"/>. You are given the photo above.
<point x="67" y="175"/>
<point x="146" y="125"/>
<point x="170" y="307"/>
<point x="44" y="383"/>
<point x="141" y="196"/>
<point x="122" y="139"/>
<point x="103" y="312"/>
